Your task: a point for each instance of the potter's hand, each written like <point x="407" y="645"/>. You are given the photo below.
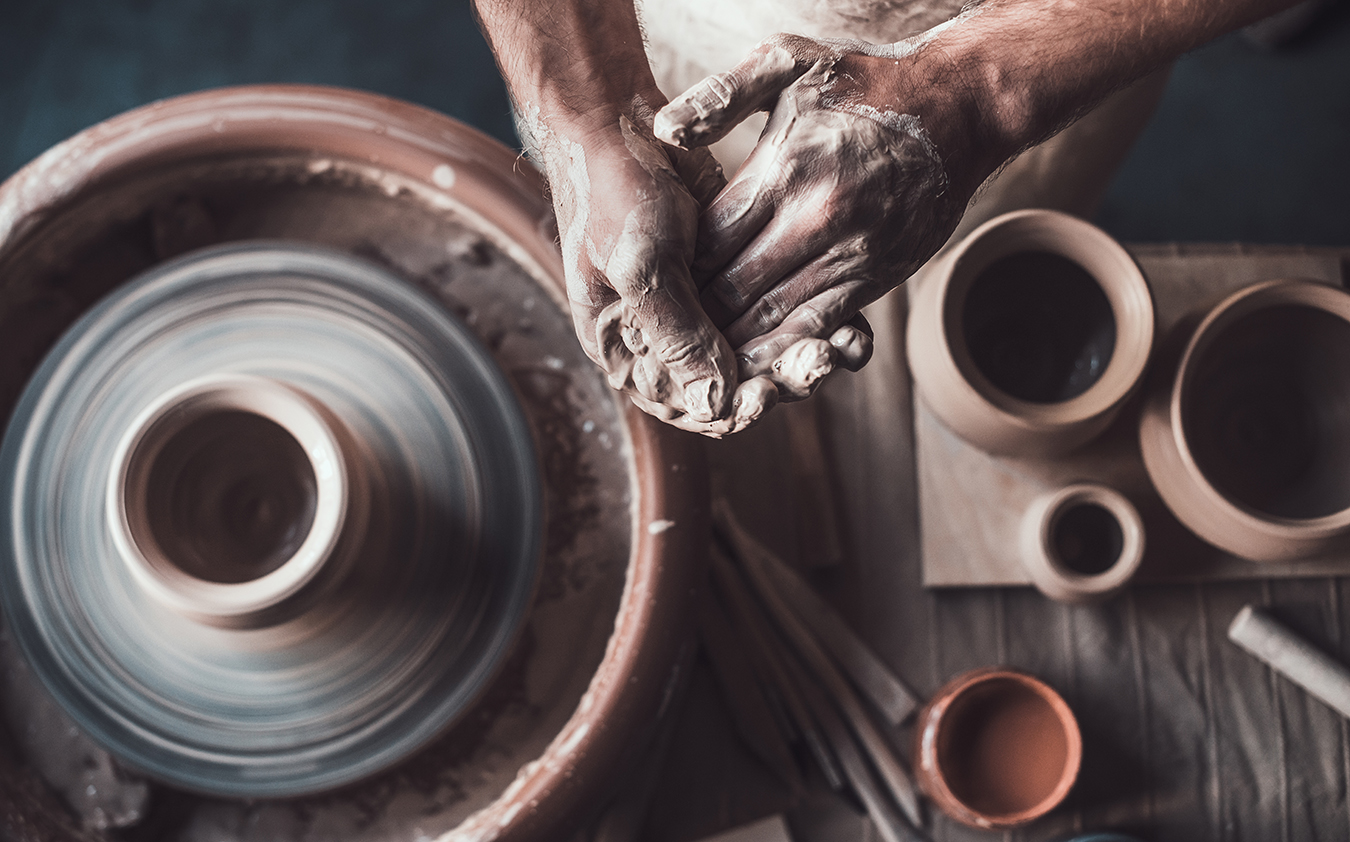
<point x="627" y="209"/>
<point x="844" y="196"/>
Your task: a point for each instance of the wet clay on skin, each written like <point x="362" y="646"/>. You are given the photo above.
<point x="1003" y="749"/>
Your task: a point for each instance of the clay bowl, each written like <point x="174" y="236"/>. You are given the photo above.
<point x="996" y="748"/>
<point x="457" y="216"/>
<point x="1030" y="334"/>
<point x="1248" y="439"/>
<point x="1082" y="543"/>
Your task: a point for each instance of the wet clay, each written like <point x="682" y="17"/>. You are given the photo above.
<point x="231" y="497"/>
<point x="1005" y="749"/>
<point x="1039" y="327"/>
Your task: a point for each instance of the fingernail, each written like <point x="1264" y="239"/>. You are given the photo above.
<point x="703" y="399"/>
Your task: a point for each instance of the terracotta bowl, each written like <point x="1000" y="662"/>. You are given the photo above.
<point x="1082" y="543"/>
<point x="997" y="748"/>
<point x="462" y="218"/>
<point x="1248" y="439"/>
<point x="1028" y="337"/>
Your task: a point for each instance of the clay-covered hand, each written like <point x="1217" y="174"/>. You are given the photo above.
<point x="627" y="209"/>
<point x="844" y="196"/>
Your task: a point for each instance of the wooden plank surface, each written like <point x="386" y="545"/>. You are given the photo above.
<point x="1186" y="737"/>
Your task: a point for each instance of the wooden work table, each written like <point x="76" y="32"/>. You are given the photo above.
<point x="1186" y="737"/>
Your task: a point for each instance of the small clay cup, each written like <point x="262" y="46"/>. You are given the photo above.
<point x="1248" y="442"/>
<point x="228" y="496"/>
<point x="1082" y="543"/>
<point x="1028" y="337"/>
<point x="997" y="748"/>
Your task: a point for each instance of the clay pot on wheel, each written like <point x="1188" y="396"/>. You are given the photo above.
<point x="445" y="219"/>
<point x="1248" y="442"/>
<point x="1028" y="337"/>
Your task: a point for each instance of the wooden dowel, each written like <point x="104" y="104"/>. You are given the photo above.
<point x="871" y="675"/>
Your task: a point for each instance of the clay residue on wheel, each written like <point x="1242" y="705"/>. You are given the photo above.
<point x="77" y="254"/>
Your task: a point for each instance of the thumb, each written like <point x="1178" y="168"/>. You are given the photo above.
<point x="707" y="111"/>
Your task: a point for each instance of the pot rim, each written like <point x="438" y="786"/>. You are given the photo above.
<point x="930" y="722"/>
<point x="1244" y="302"/>
<point x="1062" y="583"/>
<point x="1116" y="273"/>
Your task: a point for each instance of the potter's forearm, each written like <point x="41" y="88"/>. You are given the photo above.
<point x="1036" y="65"/>
<point x="571" y="62"/>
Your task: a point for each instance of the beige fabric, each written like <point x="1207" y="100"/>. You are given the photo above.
<point x="691" y="39"/>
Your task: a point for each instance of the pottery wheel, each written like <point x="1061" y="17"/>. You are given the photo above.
<point x="271" y="519"/>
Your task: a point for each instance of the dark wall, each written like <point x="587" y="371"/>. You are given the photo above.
<point x="1247" y="145"/>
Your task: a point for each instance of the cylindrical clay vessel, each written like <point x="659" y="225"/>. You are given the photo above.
<point x="1082" y="543"/>
<point x="460" y="217"/>
<point x="996" y="748"/>
<point x="1248" y="439"/>
<point x="1030" y="334"/>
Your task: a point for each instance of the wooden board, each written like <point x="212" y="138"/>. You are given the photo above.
<point x="971" y="503"/>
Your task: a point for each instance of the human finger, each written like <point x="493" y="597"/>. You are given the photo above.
<point x="853" y="342"/>
<point x="800" y="368"/>
<point x="733" y="219"/>
<point x="753" y="398"/>
<point x="786" y="300"/>
<point x="668" y="321"/>
<point x="790" y="240"/>
<point x="711" y="108"/>
<point x="700" y="172"/>
<point x="818" y="318"/>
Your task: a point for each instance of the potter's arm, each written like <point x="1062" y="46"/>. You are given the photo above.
<point x="627" y="206"/>
<point x="891" y="141"/>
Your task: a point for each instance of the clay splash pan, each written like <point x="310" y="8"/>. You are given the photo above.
<point x="363" y="184"/>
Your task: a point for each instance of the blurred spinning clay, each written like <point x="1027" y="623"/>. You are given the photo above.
<point x="272" y="520"/>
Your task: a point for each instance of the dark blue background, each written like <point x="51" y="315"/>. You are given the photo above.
<point x="1247" y="145"/>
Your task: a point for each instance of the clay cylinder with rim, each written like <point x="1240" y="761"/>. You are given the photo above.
<point x="1028" y="337"/>
<point x="259" y="467"/>
<point x="1082" y="543"/>
<point x="996" y="748"/>
<point x="1248" y="439"/>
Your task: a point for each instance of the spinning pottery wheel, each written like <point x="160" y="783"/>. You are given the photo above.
<point x="316" y="488"/>
<point x="274" y="520"/>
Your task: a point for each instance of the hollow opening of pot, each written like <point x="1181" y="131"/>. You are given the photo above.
<point x="1038" y="326"/>
<point x="229" y="496"/>
<point x="1266" y="412"/>
<point x="1086" y="538"/>
<point x="1003" y="749"/>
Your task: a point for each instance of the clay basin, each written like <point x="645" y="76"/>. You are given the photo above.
<point x="1027" y="338"/>
<point x="1248" y="439"/>
<point x="425" y="201"/>
<point x="997" y="748"/>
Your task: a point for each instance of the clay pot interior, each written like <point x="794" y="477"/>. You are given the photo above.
<point x="1266" y="411"/>
<point x="998" y="749"/>
<point x="229" y="495"/>
<point x="1248" y="443"/>
<point x="1082" y="543"/>
<point x="1027" y="338"/>
<point x="1037" y="326"/>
